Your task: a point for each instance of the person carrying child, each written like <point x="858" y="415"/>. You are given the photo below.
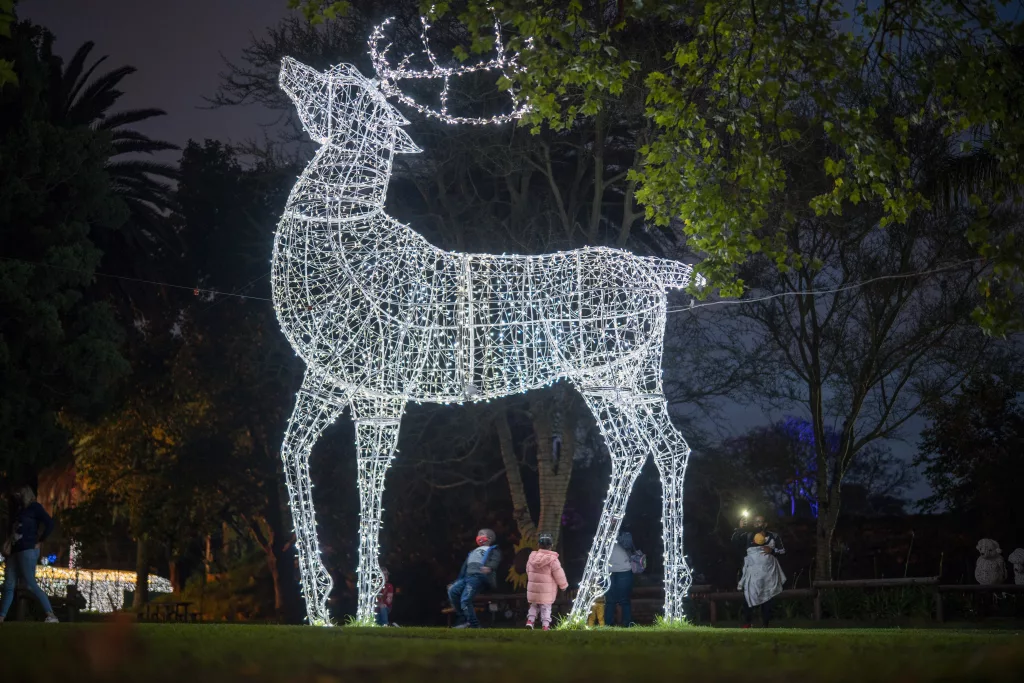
<point x="544" y="577"/>
<point x="477" y="574"/>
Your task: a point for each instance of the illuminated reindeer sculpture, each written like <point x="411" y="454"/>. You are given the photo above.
<point x="382" y="317"/>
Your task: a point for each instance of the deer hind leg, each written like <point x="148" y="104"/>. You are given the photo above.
<point x="670" y="452"/>
<point x="377" y="424"/>
<point x="317" y="405"/>
<point x="617" y="420"/>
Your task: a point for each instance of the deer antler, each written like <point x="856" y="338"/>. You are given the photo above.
<point x="389" y="76"/>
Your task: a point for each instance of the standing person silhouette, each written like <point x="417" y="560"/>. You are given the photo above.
<point x="762" y="577"/>
<point x="620" y="588"/>
<point x="21" y="551"/>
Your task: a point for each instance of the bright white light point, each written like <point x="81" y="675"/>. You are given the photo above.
<point x="382" y="317"/>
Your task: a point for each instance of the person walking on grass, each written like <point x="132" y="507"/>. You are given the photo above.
<point x="21" y="551"/>
<point x="477" y="574"/>
<point x="544" y="577"/>
<point x="762" y="576"/>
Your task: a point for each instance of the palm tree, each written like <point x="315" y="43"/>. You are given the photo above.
<point x="79" y="99"/>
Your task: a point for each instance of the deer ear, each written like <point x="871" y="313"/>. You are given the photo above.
<point x="404" y="143"/>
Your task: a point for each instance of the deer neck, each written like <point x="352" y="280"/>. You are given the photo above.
<point x="343" y="182"/>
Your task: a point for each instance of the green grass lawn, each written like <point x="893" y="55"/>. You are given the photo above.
<point x="228" y="653"/>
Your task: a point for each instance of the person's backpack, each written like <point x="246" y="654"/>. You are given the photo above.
<point x="637" y="561"/>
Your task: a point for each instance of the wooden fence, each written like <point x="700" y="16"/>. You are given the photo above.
<point x="705" y="593"/>
<point x="647" y="600"/>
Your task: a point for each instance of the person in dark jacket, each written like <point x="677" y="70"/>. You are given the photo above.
<point x="21" y="551"/>
<point x="762" y="576"/>
<point x="478" y="573"/>
<point x="620" y="581"/>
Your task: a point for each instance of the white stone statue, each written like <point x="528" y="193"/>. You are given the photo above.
<point x="990" y="568"/>
<point x="1016" y="558"/>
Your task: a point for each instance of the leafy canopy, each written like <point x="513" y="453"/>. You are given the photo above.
<point x="744" y="83"/>
<point x="60" y="347"/>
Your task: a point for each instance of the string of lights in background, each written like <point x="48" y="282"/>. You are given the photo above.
<point x="382" y="317"/>
<point x="102" y="589"/>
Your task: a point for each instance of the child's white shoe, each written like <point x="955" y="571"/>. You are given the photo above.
<point x="529" y="625"/>
<point x="52" y="619"/>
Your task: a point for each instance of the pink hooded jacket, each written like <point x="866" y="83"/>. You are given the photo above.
<point x="545" y="575"/>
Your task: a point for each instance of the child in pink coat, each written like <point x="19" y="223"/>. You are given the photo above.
<point x="545" y="577"/>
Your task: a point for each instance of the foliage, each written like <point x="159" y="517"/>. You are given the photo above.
<point x="777" y="466"/>
<point x="234" y="347"/>
<point x="318" y="11"/>
<point x="243" y="593"/>
<point x="971" y="454"/>
<point x="873" y="325"/>
<point x="81" y="97"/>
<point x="878" y="604"/>
<point x="7" y="72"/>
<point x="186" y="451"/>
<point x="149" y="464"/>
<point x="663" y="624"/>
<point x="59" y="346"/>
<point x="743" y="84"/>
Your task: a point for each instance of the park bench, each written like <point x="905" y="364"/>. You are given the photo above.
<point x="176" y="611"/>
<point x="499" y="603"/>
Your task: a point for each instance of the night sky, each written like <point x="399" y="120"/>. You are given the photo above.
<point x="178" y="48"/>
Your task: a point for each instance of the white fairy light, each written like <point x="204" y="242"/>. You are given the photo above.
<point x="390" y="76"/>
<point x="103" y="589"/>
<point x="382" y="317"/>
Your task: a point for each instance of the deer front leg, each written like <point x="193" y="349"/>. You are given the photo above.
<point x="377" y="424"/>
<point x="617" y="421"/>
<point x="317" y="405"/>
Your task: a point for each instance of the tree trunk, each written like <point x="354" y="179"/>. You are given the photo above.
<point x="275" y="576"/>
<point x="266" y="536"/>
<point x="277" y="542"/>
<point x="553" y="472"/>
<point x="825" y="527"/>
<point x="520" y="507"/>
<point x="175" y="576"/>
<point x="141" y="574"/>
<point x="208" y="557"/>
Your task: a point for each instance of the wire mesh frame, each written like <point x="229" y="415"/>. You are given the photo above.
<point x="382" y="317"/>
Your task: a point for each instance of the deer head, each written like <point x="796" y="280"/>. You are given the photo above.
<point x="340" y="106"/>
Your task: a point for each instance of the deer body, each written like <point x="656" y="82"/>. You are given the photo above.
<point x="416" y="321"/>
<point x="380" y="317"/>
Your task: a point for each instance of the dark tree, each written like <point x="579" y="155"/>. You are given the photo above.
<point x="59" y="345"/>
<point x="973" y="455"/>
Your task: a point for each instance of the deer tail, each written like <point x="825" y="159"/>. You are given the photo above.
<point x="675" y="275"/>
